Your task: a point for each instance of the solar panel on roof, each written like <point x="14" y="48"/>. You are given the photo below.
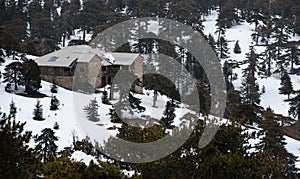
<point x="53" y="59"/>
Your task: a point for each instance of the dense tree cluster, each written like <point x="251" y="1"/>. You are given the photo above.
<point x="26" y="73"/>
<point x="228" y="154"/>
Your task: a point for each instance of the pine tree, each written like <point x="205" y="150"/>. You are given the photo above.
<point x="220" y="29"/>
<point x="105" y="98"/>
<point x="17" y="26"/>
<point x="281" y="30"/>
<point x="295" y="105"/>
<point x="273" y="142"/>
<point x="250" y="96"/>
<point x="12" y="110"/>
<point x="228" y="67"/>
<point x="92" y="110"/>
<point x="237" y="48"/>
<point x="265" y="65"/>
<point x="31" y="73"/>
<point x="135" y="103"/>
<point x="263" y="89"/>
<point x="293" y="54"/>
<point x="9" y="42"/>
<point x="169" y="115"/>
<point x="53" y="88"/>
<point x="228" y="14"/>
<point x="74" y="6"/>
<point x="20" y="159"/>
<point x="38" y="112"/>
<point x="161" y="84"/>
<point x="1" y="57"/>
<point x="56" y="126"/>
<point x="54" y="103"/>
<point x="211" y="41"/>
<point x="41" y="26"/>
<point x="286" y="85"/>
<point x="114" y="116"/>
<point x="46" y="145"/>
<point x="281" y="34"/>
<point x="250" y="88"/>
<point x="13" y="74"/>
<point x="222" y="47"/>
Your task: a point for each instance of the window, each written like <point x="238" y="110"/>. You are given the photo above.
<point x="53" y="59"/>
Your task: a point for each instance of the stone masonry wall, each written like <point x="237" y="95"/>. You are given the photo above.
<point x="63" y="81"/>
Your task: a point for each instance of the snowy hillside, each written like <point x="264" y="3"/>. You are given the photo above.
<point x="271" y="98"/>
<point x="70" y="117"/>
<point x="242" y="33"/>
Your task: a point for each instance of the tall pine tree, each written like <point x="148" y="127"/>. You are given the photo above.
<point x="295" y="105"/>
<point x="46" y="145"/>
<point x="169" y="115"/>
<point x="250" y="87"/>
<point x="13" y="74"/>
<point x="286" y="85"/>
<point x="92" y="111"/>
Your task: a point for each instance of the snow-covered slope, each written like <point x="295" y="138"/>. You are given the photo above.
<point x="242" y="33"/>
<point x="68" y="116"/>
<point x="271" y="98"/>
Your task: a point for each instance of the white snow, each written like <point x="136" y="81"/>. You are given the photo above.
<point x="271" y="98"/>
<point x="153" y="26"/>
<point x="58" y="10"/>
<point x="71" y="118"/>
<point x="110" y="57"/>
<point x="79" y="156"/>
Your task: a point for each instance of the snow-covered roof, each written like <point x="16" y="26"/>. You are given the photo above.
<point x="66" y="56"/>
<point x="120" y="58"/>
<point x="83" y="54"/>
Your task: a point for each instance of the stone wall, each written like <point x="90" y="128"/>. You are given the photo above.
<point x="138" y="70"/>
<point x="89" y="73"/>
<point x="138" y="67"/>
<point x="63" y="81"/>
<point x="56" y="71"/>
<point x="94" y="71"/>
<point x="85" y="73"/>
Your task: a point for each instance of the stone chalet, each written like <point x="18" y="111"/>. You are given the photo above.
<point x="90" y="63"/>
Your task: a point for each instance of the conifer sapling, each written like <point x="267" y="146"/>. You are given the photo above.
<point x="38" y="112"/>
<point x="92" y="110"/>
<point x="54" y="103"/>
<point x="12" y="110"/>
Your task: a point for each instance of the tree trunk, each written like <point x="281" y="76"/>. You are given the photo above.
<point x="269" y="66"/>
<point x="154" y="98"/>
<point x="83" y="36"/>
<point x="257" y="38"/>
<point x="16" y="86"/>
<point x="111" y="92"/>
<point x="15" y="80"/>
<point x="64" y="40"/>
<point x="292" y="66"/>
